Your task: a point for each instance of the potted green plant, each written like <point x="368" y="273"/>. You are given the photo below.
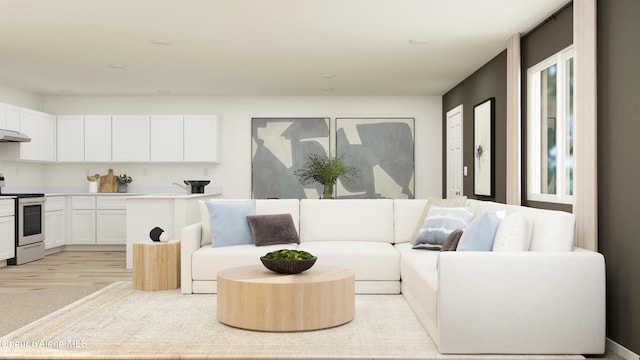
<point x="123" y="180"/>
<point x="326" y="170"/>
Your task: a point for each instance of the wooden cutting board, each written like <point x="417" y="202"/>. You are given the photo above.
<point x="108" y="183"/>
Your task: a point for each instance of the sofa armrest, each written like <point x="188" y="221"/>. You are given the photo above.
<point x="524" y="302"/>
<point x="189" y="243"/>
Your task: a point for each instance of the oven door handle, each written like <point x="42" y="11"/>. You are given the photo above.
<point x="31" y="245"/>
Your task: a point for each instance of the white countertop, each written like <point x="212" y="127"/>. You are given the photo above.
<point x="211" y="191"/>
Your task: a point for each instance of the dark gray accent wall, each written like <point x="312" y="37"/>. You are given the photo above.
<point x="618" y="145"/>
<point x="618" y="169"/>
<point x="488" y="81"/>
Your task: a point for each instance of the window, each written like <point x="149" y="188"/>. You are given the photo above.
<point x="550" y="129"/>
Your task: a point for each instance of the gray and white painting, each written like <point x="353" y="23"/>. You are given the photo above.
<point x="383" y="152"/>
<point x="279" y="147"/>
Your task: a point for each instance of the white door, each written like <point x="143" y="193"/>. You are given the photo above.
<point x="454" y="152"/>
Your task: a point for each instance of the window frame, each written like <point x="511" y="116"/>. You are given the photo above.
<point x="534" y="138"/>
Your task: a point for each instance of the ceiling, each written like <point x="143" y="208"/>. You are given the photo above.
<point x="255" y="47"/>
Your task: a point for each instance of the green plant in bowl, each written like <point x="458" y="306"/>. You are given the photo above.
<point x="286" y="261"/>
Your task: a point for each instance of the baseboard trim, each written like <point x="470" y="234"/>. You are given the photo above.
<point x="618" y="349"/>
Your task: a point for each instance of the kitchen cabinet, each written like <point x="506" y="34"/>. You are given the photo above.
<point x="3" y="116"/>
<point x="40" y="127"/>
<point x="83" y="220"/>
<point x="111" y="218"/>
<point x="29" y="127"/>
<point x="97" y="138"/>
<point x="130" y="138"/>
<point x="7" y="229"/>
<point x="55" y="222"/>
<point x="46" y="137"/>
<point x="98" y="220"/>
<point x="201" y="138"/>
<point x="167" y="138"/>
<point x="70" y="138"/>
<point x="12" y="118"/>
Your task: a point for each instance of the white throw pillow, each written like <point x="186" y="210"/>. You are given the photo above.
<point x="205" y="235"/>
<point x="514" y="234"/>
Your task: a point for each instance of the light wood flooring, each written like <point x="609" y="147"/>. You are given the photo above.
<point x="65" y="269"/>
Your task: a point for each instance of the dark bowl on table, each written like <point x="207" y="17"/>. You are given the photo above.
<point x="288" y="266"/>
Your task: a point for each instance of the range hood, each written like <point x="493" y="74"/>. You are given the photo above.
<point x="13" y="136"/>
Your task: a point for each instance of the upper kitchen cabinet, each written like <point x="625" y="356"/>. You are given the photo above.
<point x="167" y="138"/>
<point x="46" y="137"/>
<point x="41" y="128"/>
<point x="9" y="117"/>
<point x="130" y="138"/>
<point x="97" y="138"/>
<point x="70" y="130"/>
<point x="3" y="116"/>
<point x="29" y="127"/>
<point x="201" y="141"/>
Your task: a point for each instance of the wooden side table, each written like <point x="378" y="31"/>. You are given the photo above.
<point x="156" y="265"/>
<point x="254" y="298"/>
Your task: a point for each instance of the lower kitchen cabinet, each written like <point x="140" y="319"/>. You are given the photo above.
<point x="55" y="222"/>
<point x="111" y="227"/>
<point x="7" y="232"/>
<point x="100" y="220"/>
<point x="55" y="233"/>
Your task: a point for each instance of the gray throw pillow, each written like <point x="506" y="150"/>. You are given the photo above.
<point x="273" y="229"/>
<point x="451" y="244"/>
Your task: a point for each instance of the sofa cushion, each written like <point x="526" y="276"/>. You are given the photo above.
<point x="207" y="261"/>
<point x="514" y="234"/>
<point x="280" y="206"/>
<point x="451" y="244"/>
<point x="346" y="220"/>
<point x="229" y="222"/>
<point x="370" y="260"/>
<point x="272" y="229"/>
<point x="419" y="271"/>
<point x="440" y="222"/>
<point x="407" y="216"/>
<point x="480" y="233"/>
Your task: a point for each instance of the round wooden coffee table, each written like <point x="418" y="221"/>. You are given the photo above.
<point x="255" y="298"/>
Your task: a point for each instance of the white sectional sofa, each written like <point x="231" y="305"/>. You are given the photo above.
<point x="549" y="300"/>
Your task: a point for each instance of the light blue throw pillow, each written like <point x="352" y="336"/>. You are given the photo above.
<point x="480" y="233"/>
<point x="229" y="224"/>
<point x="439" y="223"/>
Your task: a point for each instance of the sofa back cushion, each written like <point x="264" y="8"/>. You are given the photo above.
<point x="280" y="206"/>
<point x="552" y="230"/>
<point x="353" y="219"/>
<point x="407" y="215"/>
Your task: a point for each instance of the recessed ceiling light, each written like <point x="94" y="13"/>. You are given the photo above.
<point x="327" y="76"/>
<point x="117" y="66"/>
<point x="418" y="41"/>
<point x="164" y="91"/>
<point x="161" y="42"/>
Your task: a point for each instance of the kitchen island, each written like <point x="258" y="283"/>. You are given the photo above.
<point x="171" y="212"/>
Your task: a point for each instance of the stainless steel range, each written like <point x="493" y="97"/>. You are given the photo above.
<point x="29" y="225"/>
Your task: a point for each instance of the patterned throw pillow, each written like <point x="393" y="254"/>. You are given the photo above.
<point x="439" y="224"/>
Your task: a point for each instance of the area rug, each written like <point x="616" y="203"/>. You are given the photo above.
<point x="118" y="322"/>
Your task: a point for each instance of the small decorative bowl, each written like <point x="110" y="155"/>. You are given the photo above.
<point x="288" y="266"/>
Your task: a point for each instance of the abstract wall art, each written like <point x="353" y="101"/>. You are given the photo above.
<point x="279" y="146"/>
<point x="382" y="149"/>
<point x="483" y="151"/>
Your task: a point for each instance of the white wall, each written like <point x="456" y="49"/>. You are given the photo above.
<point x="13" y="96"/>
<point x="234" y="171"/>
